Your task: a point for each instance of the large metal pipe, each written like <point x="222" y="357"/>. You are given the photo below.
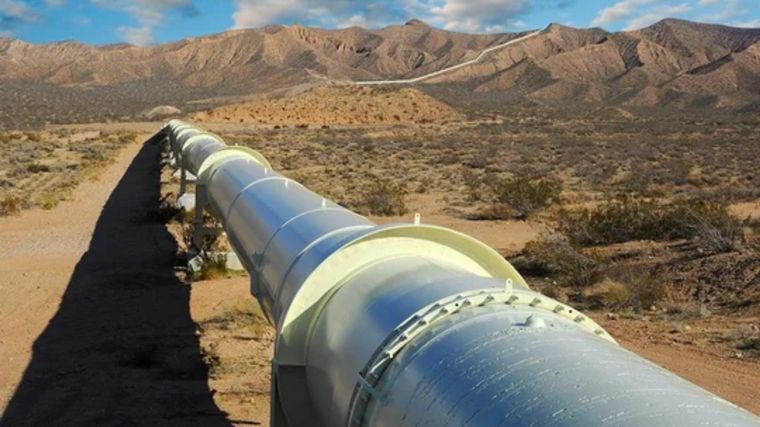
<point x="412" y="324"/>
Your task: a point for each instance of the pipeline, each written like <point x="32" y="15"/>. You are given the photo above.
<point x="413" y="324"/>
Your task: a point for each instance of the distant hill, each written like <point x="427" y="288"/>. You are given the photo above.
<point x="324" y="106"/>
<point x="671" y="64"/>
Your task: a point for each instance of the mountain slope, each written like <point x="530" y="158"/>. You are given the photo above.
<point x="671" y="64"/>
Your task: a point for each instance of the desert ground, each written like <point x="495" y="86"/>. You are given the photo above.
<point x="651" y="225"/>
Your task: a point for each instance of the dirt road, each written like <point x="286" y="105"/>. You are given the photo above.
<point x="95" y="327"/>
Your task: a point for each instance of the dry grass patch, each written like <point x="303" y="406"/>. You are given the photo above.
<point x="42" y="168"/>
<point x="707" y="223"/>
<point x="329" y="106"/>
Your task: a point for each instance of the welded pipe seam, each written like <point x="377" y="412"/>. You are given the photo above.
<point x="197" y="148"/>
<point x="292" y="264"/>
<point x="186" y="134"/>
<point x="296" y="218"/>
<point x="275" y="177"/>
<point x="216" y="160"/>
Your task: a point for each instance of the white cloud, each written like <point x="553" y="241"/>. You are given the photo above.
<point x="16" y="10"/>
<point x="619" y="11"/>
<point x="708" y="2"/>
<point x="457" y="15"/>
<point x="148" y="13"/>
<point x="754" y="23"/>
<point x="657" y="14"/>
<point x="258" y="13"/>
<point x="358" y="20"/>
<point x="471" y="15"/>
<point x="731" y="10"/>
<point x="138" y="36"/>
<point x="323" y="13"/>
<point x="639" y="13"/>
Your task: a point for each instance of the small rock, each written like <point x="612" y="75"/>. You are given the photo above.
<point x="738" y="355"/>
<point x="612" y="316"/>
<point x="687" y="327"/>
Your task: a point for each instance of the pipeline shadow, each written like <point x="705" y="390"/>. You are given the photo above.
<point x="122" y="348"/>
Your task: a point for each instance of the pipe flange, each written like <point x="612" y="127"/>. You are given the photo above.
<point x="204" y="170"/>
<point x="421" y="320"/>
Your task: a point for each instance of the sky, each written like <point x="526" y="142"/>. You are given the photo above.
<point x="147" y="22"/>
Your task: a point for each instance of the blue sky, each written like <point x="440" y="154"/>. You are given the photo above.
<point x="145" y="22"/>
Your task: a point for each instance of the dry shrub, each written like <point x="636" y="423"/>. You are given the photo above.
<point x="214" y="266"/>
<point x="474" y="184"/>
<point x="384" y="197"/>
<point x="612" y="294"/>
<point x="495" y="212"/>
<point x="625" y="287"/>
<point x="525" y="195"/>
<point x="687" y="311"/>
<point x="33" y="137"/>
<point x="10" y="205"/>
<point x="627" y="219"/>
<point x="552" y="255"/>
<point x="712" y="227"/>
<point x="49" y="201"/>
<point x="644" y="289"/>
<point x="745" y="338"/>
<point x="596" y="282"/>
<point x="38" y="168"/>
<point x="242" y="314"/>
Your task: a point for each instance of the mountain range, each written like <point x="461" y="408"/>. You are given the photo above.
<point x="672" y="64"/>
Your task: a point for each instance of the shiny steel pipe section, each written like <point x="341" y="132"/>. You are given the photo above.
<point x="412" y="324"/>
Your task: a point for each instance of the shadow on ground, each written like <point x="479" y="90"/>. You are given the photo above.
<point x="121" y="350"/>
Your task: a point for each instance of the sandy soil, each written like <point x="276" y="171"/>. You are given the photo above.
<point x="238" y="344"/>
<point x="95" y="324"/>
<point x="39" y="252"/>
<point x="325" y="106"/>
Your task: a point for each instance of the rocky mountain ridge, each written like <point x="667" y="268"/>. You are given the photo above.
<point x="671" y="64"/>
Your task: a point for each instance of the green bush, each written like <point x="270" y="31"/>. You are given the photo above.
<point x="524" y="195"/>
<point x="627" y="219"/>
